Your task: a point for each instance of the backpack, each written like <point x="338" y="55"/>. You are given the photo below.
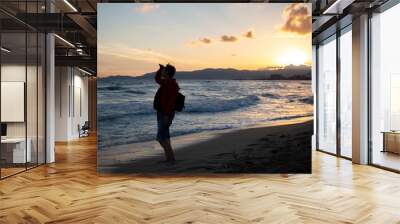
<point x="180" y="102"/>
<point x="156" y="102"/>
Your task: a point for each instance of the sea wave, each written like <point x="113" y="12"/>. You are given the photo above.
<point x="221" y="105"/>
<point x="291" y="98"/>
<point x="124" y="89"/>
<point x="136" y="92"/>
<point x="307" y="100"/>
<point x="291" y="117"/>
<point x="271" y="95"/>
<point x="114" y="111"/>
<point x="130" y="109"/>
<point x="143" y="138"/>
<point x="111" y="88"/>
<point x="301" y="99"/>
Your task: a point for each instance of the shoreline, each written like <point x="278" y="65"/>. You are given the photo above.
<point x="287" y="120"/>
<point x="227" y="150"/>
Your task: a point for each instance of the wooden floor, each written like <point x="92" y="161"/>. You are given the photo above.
<point x="70" y="191"/>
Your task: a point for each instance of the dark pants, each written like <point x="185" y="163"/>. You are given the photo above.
<point x="164" y="121"/>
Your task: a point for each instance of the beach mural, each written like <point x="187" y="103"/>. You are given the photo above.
<point x="243" y="69"/>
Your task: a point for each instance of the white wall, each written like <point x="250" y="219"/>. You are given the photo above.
<point x="81" y="103"/>
<point x="13" y="73"/>
<point x="13" y="101"/>
<point x="71" y="87"/>
<point x="62" y="85"/>
<point x="33" y="126"/>
<point x="10" y="73"/>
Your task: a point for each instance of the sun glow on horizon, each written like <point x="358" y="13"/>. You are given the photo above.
<point x="293" y="57"/>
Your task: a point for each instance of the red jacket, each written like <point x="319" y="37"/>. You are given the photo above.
<point x="168" y="92"/>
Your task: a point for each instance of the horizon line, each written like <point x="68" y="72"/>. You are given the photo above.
<point x="274" y="67"/>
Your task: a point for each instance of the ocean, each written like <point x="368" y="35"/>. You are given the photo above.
<point x="126" y="115"/>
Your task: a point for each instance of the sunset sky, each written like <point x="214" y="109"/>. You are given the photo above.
<point x="134" y="38"/>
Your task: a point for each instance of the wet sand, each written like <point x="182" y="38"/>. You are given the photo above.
<point x="276" y="147"/>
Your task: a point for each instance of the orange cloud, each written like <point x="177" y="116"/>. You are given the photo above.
<point x="249" y="34"/>
<point x="297" y="19"/>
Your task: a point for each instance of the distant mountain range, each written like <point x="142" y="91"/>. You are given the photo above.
<point x="290" y="72"/>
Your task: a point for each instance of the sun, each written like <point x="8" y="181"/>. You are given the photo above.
<point x="292" y="57"/>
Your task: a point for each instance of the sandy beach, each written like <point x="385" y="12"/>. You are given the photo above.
<point x="275" y="147"/>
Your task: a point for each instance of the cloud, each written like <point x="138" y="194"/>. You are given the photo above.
<point x="224" y="38"/>
<point x="125" y="60"/>
<point x="249" y="34"/>
<point x="200" y="41"/>
<point x="205" y="40"/>
<point x="228" y="38"/>
<point x="145" y="55"/>
<point x="147" y="7"/>
<point x="297" y="19"/>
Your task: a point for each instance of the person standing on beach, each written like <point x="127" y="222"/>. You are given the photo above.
<point x="164" y="104"/>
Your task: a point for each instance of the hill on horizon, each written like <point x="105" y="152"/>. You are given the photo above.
<point x="290" y="72"/>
